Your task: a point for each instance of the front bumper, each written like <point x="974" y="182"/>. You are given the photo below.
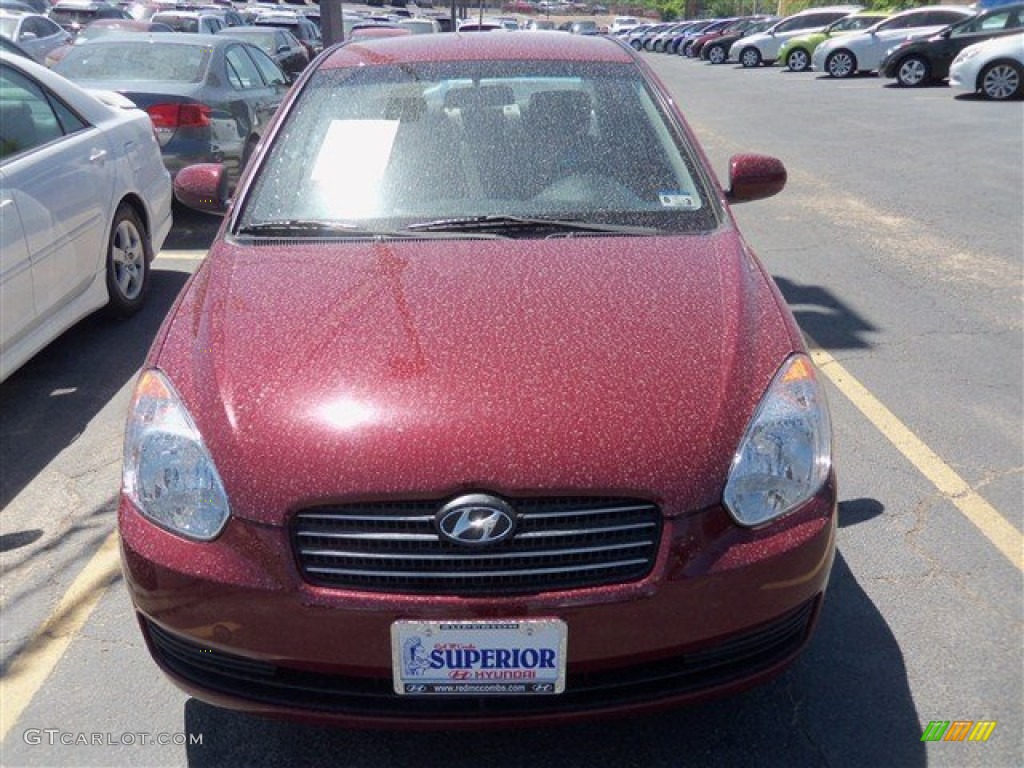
<point x="233" y="623"/>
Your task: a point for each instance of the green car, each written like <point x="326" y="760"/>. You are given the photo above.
<point x="795" y="54"/>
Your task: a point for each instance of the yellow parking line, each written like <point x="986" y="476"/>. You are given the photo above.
<point x="996" y="528"/>
<point x="33" y="665"/>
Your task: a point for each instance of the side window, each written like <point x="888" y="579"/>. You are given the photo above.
<point x="942" y="17"/>
<point x="27" y="116"/>
<point x="272" y="74"/>
<point x="47" y="28"/>
<point x="788" y="26"/>
<point x="241" y="71"/>
<point x="905" y="22"/>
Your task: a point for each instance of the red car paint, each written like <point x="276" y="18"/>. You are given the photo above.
<point x="367" y="371"/>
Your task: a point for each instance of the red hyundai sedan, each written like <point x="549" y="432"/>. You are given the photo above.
<point x="480" y="409"/>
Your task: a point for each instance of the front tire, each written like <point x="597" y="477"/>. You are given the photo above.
<point x="717" y="55"/>
<point x="913" y="71"/>
<point x="841" y="64"/>
<point x="129" y="254"/>
<point x="1001" y="80"/>
<point x="750" y="58"/>
<point x="798" y="60"/>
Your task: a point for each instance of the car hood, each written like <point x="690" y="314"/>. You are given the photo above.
<point x="354" y="371"/>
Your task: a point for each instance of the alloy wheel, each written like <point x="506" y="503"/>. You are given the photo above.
<point x="1001" y="81"/>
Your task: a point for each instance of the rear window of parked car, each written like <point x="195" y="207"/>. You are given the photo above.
<point x="136" y="61"/>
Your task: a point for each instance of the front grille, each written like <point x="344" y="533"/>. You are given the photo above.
<point x="560" y="543"/>
<point x="731" y="662"/>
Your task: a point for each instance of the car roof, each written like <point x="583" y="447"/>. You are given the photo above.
<point x="452" y="46"/>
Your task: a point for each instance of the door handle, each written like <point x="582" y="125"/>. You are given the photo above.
<point x="97" y="156"/>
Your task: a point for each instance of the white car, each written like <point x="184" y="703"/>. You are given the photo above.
<point x="995" y="68"/>
<point x="622" y="23"/>
<point x="85" y="203"/>
<point x="863" y="51"/>
<point x="35" y="33"/>
<point x="763" y="47"/>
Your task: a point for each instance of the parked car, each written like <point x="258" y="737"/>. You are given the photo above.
<point x="304" y="30"/>
<point x="102" y="27"/>
<point x="421" y="25"/>
<point x="763" y="48"/>
<point x="657" y="41"/>
<point x="280" y="44"/>
<point x="717" y="51"/>
<point x="35" y="33"/>
<point x="191" y="22"/>
<point x="686" y="46"/>
<point x="795" y="54"/>
<point x="406" y="454"/>
<point x="73" y="15"/>
<point x="994" y="68"/>
<point x="863" y="51"/>
<point x="584" y="27"/>
<point x="86" y="205"/>
<point x="210" y="97"/>
<point x="731" y="26"/>
<point x="622" y="24"/>
<point x="922" y="61"/>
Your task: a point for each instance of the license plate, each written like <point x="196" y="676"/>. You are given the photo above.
<point x="479" y="658"/>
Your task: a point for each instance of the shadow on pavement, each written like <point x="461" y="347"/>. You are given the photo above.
<point x="826" y="318"/>
<point x="846" y="702"/>
<point x="47" y="403"/>
<point x="193" y="231"/>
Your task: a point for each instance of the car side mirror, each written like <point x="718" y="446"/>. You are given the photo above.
<point x="754" y="177"/>
<point x="203" y="187"/>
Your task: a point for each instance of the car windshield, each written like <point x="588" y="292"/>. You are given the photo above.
<point x="131" y="61"/>
<point x="387" y="147"/>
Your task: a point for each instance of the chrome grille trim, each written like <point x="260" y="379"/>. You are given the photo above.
<point x="508" y="556"/>
<point x="478" y="574"/>
<point x="560" y="543"/>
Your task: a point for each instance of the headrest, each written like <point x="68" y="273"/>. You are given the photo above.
<point x="479" y="96"/>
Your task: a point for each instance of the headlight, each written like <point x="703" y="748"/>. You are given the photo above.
<point x="168" y="473"/>
<point x="786" y="453"/>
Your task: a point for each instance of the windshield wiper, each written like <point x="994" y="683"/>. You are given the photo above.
<point x="500" y="223"/>
<point x="339" y="229"/>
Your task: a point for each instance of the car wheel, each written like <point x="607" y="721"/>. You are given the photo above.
<point x="912" y="72"/>
<point x="717" y="54"/>
<point x="750" y="57"/>
<point x="687" y="48"/>
<point x="798" y="60"/>
<point x="636" y="44"/>
<point x="841" y="64"/>
<point x="128" y="257"/>
<point x="1001" y="80"/>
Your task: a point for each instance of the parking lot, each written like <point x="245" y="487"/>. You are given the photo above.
<point x="898" y="243"/>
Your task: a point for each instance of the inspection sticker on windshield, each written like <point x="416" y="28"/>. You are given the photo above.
<point x="478" y="658"/>
<point x="677" y="200"/>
